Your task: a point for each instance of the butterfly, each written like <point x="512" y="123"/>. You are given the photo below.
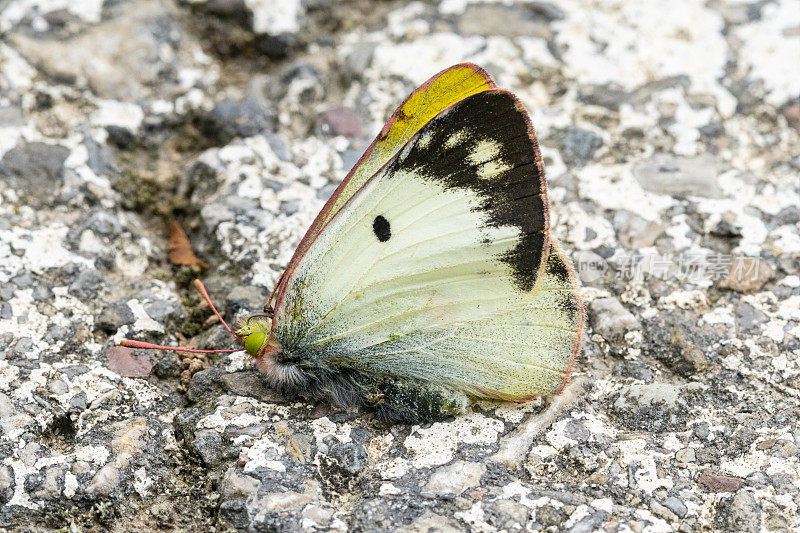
<point x="430" y="276"/>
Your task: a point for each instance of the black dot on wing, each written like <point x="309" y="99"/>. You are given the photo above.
<point x="381" y="228"/>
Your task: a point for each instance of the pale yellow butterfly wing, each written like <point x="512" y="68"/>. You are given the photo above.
<point x="439" y="267"/>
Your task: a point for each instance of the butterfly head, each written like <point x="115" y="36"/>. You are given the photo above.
<point x="253" y="332"/>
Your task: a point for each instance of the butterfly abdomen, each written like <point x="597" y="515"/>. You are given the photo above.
<point x="391" y="398"/>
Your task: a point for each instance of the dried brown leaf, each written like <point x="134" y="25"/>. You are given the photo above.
<point x="180" y="251"/>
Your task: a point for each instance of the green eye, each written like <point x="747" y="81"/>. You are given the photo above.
<point x="254" y="342"/>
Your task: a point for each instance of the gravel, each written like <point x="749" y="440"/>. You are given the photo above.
<point x="671" y="144"/>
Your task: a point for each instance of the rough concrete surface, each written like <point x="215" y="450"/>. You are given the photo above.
<point x="670" y="134"/>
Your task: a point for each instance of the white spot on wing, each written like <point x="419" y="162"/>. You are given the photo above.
<point x="484" y="151"/>
<point x="492" y="169"/>
<point x="484" y="155"/>
<point x="425" y="139"/>
<point x="455" y="139"/>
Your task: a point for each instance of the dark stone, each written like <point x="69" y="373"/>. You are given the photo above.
<point x="349" y="158"/>
<point x="636" y="370"/>
<point x="382" y="513"/>
<point x="7" y="291"/>
<point x="678" y="342"/>
<point x="676" y="506"/>
<point x="164" y="310"/>
<point x="279" y="146"/>
<point x="788" y="215"/>
<point x="307" y="79"/>
<point x="359" y="435"/>
<point x="748" y="316"/>
<point x="58" y="333"/>
<point x="233" y="513"/>
<point x="100" y="158"/>
<point x="712" y="129"/>
<point x="185" y="423"/>
<point x="245" y="299"/>
<point x="23" y="347"/>
<point x="23" y="280"/>
<point x="103" y="223"/>
<point x="35" y="170"/>
<point x="256" y="430"/>
<point x="547" y="10"/>
<point x="226" y="8"/>
<point x="340" y="467"/>
<point x="612" y="320"/>
<point x="612" y="96"/>
<point x="575" y="430"/>
<point x="114" y="316"/>
<point x="42" y="293"/>
<point x="781" y="479"/>
<point x="351" y="457"/>
<point x="549" y="516"/>
<point x="208" y="444"/>
<point x="651" y="407"/>
<point x="201" y="179"/>
<point x="86" y="285"/>
<point x="168" y="365"/>
<point x="726" y="230"/>
<point x="707" y="455"/>
<point x="74" y="370"/>
<point x="577" y="146"/>
<point x="273" y="185"/>
<point x="120" y="137"/>
<point x="701" y="430"/>
<point x="277" y="46"/>
<point x="230" y="119"/>
<point x="59" y="18"/>
<point x="290" y="207"/>
<point x="608" y="96"/>
<point x="5" y="311"/>
<point x="78" y="402"/>
<point x="205" y="385"/>
<point x="7" y="484"/>
<point x="325" y="192"/>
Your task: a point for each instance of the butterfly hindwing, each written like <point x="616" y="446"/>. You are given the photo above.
<point x="439" y="266"/>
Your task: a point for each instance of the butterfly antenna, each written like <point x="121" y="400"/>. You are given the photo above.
<point x="202" y="289"/>
<point x="274" y="290"/>
<point x="148" y="346"/>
